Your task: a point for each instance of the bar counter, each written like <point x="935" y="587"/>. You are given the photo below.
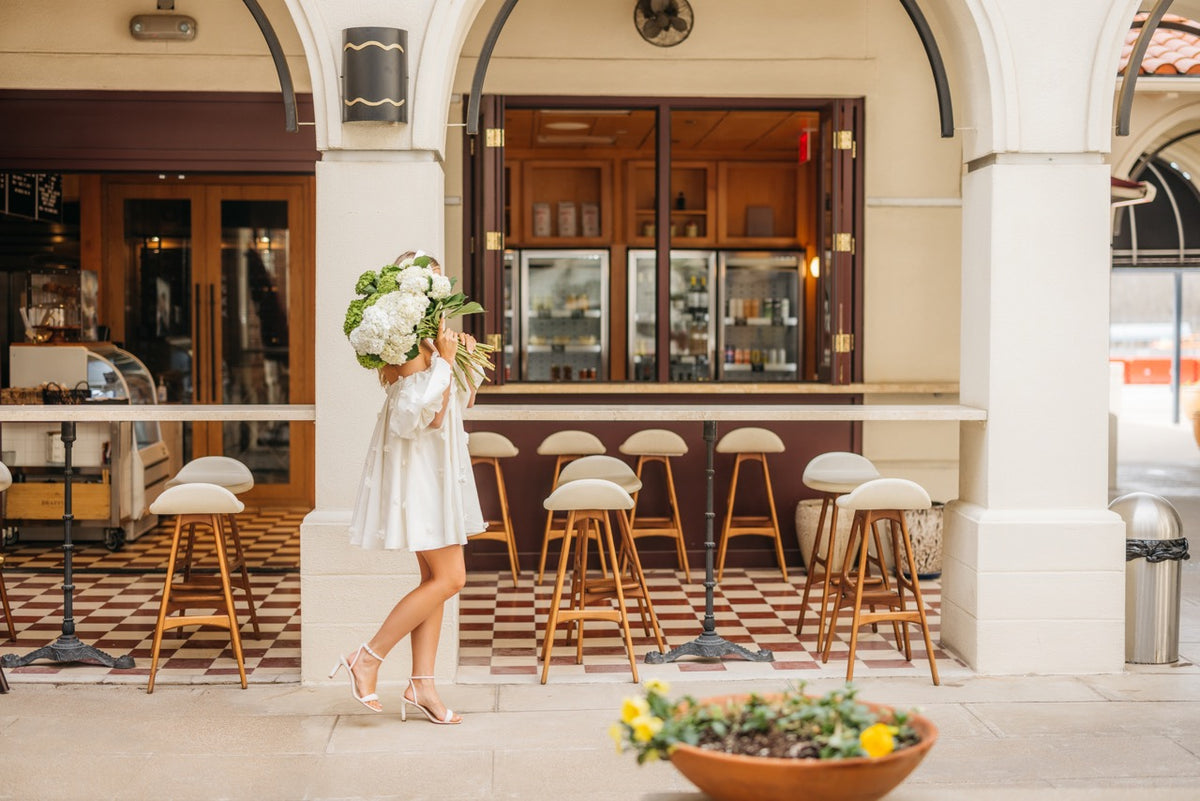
<point x="178" y="412"/>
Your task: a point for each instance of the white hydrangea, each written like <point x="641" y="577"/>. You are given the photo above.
<point x="440" y="287"/>
<point x="415" y="279"/>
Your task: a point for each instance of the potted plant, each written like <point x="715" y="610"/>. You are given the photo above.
<point x="782" y="746"/>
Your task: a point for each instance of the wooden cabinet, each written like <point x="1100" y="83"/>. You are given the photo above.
<point x="760" y="204"/>
<point x="564" y="204"/>
<point x="693" y="204"/>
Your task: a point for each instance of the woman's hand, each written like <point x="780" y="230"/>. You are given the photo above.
<point x="468" y="341"/>
<point x="447" y="343"/>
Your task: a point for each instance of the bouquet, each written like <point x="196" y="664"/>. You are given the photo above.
<point x="403" y="303"/>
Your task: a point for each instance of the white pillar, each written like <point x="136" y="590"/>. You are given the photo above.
<point x="371" y="207"/>
<point x="1034" y="574"/>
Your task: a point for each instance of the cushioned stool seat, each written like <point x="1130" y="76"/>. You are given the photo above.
<point x="227" y="472"/>
<point x="197" y="505"/>
<point x="878" y="500"/>
<point x="657" y="445"/>
<point x="5" y="483"/>
<point x="488" y="447"/>
<point x="832" y="475"/>
<point x="587" y="503"/>
<point x="750" y="444"/>
<point x="565" y="446"/>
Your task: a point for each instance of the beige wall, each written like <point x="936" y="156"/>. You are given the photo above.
<point x="85" y="44"/>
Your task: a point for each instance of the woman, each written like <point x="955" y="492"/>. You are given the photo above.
<point x="418" y="494"/>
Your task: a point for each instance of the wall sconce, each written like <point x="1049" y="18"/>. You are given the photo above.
<point x="814" y="267"/>
<point x="374" y="75"/>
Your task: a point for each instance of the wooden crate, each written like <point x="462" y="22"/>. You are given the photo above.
<point x="44" y="501"/>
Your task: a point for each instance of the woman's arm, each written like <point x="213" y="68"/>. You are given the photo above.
<point x="447" y="347"/>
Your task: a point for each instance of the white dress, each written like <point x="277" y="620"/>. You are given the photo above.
<point x="418" y="489"/>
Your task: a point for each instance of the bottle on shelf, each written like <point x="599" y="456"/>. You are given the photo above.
<point x="680" y="201"/>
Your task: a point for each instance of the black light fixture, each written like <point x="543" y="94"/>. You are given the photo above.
<point x="374" y="75"/>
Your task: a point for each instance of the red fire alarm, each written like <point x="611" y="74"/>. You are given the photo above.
<point x="802" y="147"/>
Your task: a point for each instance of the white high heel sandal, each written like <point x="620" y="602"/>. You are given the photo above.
<point x="447" y="719"/>
<point x="365" y="700"/>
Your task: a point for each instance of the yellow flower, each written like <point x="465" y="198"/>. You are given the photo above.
<point x="645" y="727"/>
<point x="878" y="740"/>
<point x="632" y="708"/>
<point x="658" y="686"/>
<point x="617" y="733"/>
<point x="652" y="755"/>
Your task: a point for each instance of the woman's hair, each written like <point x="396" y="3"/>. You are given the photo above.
<point x="409" y="254"/>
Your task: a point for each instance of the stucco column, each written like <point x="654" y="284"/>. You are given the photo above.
<point x="1034" y="565"/>
<point x="371" y="207"/>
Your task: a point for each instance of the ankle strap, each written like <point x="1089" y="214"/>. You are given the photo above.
<point x="422" y="677"/>
<point x="367" y="648"/>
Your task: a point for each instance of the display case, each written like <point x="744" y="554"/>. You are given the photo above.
<point x="120" y="467"/>
<point x="58" y="304"/>
<point x="563" y="325"/>
<point x="762" y="315"/>
<point x="509" y="334"/>
<point x="692" y="316"/>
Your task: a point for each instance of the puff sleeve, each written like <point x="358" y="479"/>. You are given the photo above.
<point x="418" y="399"/>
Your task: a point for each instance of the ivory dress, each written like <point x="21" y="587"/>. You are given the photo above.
<point x="418" y="489"/>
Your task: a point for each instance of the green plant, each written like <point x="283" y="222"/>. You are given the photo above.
<point x="789" y="725"/>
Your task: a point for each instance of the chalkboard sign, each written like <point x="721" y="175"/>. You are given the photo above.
<point x="49" y="197"/>
<point x="21" y="195"/>
<point x="36" y="196"/>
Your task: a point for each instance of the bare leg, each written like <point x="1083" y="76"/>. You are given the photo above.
<point x="424" y="642"/>
<point x="446" y="575"/>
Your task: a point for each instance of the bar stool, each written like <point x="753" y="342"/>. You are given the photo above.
<point x="227" y="472"/>
<point x="832" y="475"/>
<point x="587" y="503"/>
<point x="5" y="483"/>
<point x="649" y="446"/>
<point x="609" y="468"/>
<point x="873" y="502"/>
<point x="488" y="447"/>
<point x="565" y="446"/>
<point x="197" y="505"/>
<point x="751" y="445"/>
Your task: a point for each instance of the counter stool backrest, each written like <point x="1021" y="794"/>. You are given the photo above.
<point x="750" y="440"/>
<point x="608" y="468"/>
<point x="887" y="493"/>
<point x="5" y="477"/>
<point x="588" y="493"/>
<point x="196" y="499"/>
<point x="490" y="445"/>
<point x="838" y="472"/>
<point x="654" y="442"/>
<point x="223" y="471"/>
<point x="571" y="443"/>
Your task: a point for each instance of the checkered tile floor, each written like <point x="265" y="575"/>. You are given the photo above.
<point x="501" y="630"/>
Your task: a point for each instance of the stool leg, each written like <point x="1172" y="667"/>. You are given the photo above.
<point x="843" y="581"/>
<point x="241" y="562"/>
<point x="639" y="576"/>
<point x="897" y="629"/>
<point x="815" y="559"/>
<point x="858" y="591"/>
<point x="509" y="535"/>
<point x="774" y="517"/>
<point x="187" y="569"/>
<point x="162" y="606"/>
<point x="737" y="464"/>
<point x="621" y="608"/>
<point x="8" y="619"/>
<point x="556" y="598"/>
<point x="916" y="590"/>
<point x="548" y="532"/>
<point x="677" y="521"/>
<point x="231" y="611"/>
<point x="579" y="586"/>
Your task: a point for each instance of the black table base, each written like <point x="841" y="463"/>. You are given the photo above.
<point x="709" y="645"/>
<point x="68" y="648"/>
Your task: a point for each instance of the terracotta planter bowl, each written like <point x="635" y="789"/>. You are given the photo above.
<point x="731" y="777"/>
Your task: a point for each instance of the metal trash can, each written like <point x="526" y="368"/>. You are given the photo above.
<point x="1154" y="551"/>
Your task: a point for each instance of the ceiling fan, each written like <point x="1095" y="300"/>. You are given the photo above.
<point x="663" y="23"/>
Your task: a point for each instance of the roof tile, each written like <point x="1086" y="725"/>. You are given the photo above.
<point x="1170" y="52"/>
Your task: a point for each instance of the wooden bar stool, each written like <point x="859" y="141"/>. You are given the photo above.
<point x="751" y="445"/>
<point x="650" y="446"/>
<point x="832" y="475"/>
<point x="195" y="505"/>
<point x="882" y="499"/>
<point x="565" y="446"/>
<point x="5" y="483"/>
<point x="227" y="472"/>
<point x="488" y="447"/>
<point x="610" y="468"/>
<point x="586" y="503"/>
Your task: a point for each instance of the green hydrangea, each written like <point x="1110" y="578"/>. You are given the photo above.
<point x="389" y="269"/>
<point x="388" y="283"/>
<point x="354" y="315"/>
<point x="370" y="361"/>
<point x="366" y="283"/>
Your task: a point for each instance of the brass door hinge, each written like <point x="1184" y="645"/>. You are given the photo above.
<point x="843" y="243"/>
<point x="494" y="240"/>
<point x="843" y="343"/>
<point x="494" y="137"/>
<point x="844" y="140"/>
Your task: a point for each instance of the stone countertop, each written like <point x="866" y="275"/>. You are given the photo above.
<point x="744" y="413"/>
<point x="111" y="413"/>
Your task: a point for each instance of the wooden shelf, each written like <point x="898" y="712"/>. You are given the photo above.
<point x="695" y="180"/>
<point x="767" y="185"/>
<point x="554" y="183"/>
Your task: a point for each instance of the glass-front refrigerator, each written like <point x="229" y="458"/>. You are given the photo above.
<point x="761" y="320"/>
<point x="693" y="321"/>
<point x="512" y="362"/>
<point x="564" y="315"/>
